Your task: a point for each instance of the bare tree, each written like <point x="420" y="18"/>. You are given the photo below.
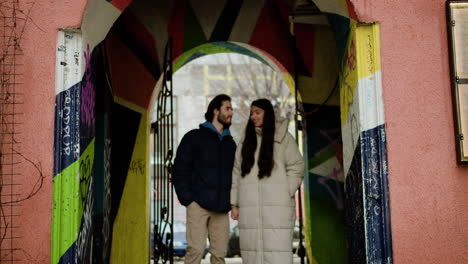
<point x="250" y="79"/>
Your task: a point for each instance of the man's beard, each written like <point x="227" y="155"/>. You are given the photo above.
<point x="224" y="121"/>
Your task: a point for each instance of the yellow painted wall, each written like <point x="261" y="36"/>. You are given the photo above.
<point x="130" y="241"/>
<point x="316" y="89"/>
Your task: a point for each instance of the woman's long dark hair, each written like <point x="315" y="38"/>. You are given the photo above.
<point x="265" y="158"/>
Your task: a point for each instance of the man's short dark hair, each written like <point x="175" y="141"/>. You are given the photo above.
<point x="216" y="103"/>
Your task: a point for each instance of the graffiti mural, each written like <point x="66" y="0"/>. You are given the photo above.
<point x="323" y="192"/>
<point x="364" y="137"/>
<point x="346" y="145"/>
<point x="355" y="211"/>
<point x="88" y="98"/>
<point x="86" y="166"/>
<point x="119" y="4"/>
<point x="132" y="86"/>
<point x="103" y="195"/>
<point x="376" y="193"/>
<point x="66" y="151"/>
<point x="73" y="200"/>
<point x="67" y="120"/>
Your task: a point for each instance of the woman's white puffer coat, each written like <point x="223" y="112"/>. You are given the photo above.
<point x="267" y="206"/>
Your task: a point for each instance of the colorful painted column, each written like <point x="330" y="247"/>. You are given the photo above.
<point x="73" y="152"/>
<point x="364" y="147"/>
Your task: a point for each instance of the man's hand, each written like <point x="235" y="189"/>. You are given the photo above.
<point x="235" y="213"/>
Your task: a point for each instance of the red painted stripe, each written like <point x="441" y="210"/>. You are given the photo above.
<point x="305" y="42"/>
<point x="285" y="9"/>
<point x="351" y="10"/>
<point x="134" y="28"/>
<point x="130" y="79"/>
<point x="272" y="36"/>
<point x="176" y="28"/>
<point x="274" y="60"/>
<point x="121" y="4"/>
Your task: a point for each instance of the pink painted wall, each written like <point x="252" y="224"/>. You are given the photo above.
<point x="428" y="190"/>
<point x="38" y="44"/>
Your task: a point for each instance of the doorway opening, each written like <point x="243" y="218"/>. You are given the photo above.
<point x="194" y="83"/>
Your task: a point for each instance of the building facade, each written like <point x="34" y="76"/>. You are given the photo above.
<point x="404" y="192"/>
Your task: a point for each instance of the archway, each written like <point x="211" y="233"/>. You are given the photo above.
<point x="242" y="77"/>
<point x="358" y="128"/>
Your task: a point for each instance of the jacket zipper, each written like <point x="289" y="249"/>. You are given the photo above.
<point x="260" y="206"/>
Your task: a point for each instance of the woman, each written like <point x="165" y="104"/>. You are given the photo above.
<point x="268" y="170"/>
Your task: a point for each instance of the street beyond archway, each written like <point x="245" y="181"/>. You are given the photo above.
<point x="238" y="260"/>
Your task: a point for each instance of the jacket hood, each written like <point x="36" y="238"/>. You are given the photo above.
<point x="281" y="128"/>
<point x="210" y="126"/>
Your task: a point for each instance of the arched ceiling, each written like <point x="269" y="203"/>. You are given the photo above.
<point x="145" y="26"/>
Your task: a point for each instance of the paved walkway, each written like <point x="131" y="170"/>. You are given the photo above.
<point x="228" y="260"/>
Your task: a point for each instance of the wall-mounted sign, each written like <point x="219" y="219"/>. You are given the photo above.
<point x="457" y="19"/>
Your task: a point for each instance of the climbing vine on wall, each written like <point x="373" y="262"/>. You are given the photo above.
<point x="14" y="16"/>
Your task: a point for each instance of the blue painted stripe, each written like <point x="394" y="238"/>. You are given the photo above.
<point x="70" y="256"/>
<point x="354" y="210"/>
<point x="67" y="128"/>
<point x="375" y="178"/>
<point x="195" y="56"/>
<point x="367" y="201"/>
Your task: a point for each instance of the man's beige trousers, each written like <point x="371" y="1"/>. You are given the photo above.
<point x="201" y="224"/>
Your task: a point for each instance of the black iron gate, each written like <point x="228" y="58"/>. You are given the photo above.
<point x="163" y="198"/>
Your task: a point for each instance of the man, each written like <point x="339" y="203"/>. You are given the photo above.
<point x="202" y="180"/>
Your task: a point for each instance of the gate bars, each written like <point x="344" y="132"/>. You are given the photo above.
<point x="163" y="196"/>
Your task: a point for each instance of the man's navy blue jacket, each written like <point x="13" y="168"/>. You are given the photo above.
<point x="203" y="168"/>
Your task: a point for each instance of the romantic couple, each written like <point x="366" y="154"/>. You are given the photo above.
<point x="257" y="183"/>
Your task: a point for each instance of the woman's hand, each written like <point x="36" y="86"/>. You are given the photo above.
<point x="234" y="213"/>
